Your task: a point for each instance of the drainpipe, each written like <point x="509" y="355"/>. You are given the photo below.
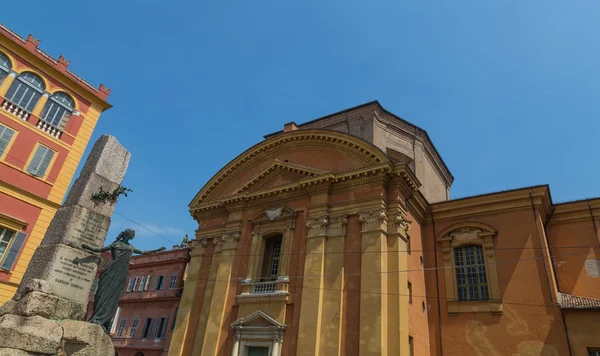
<point x="437" y="285"/>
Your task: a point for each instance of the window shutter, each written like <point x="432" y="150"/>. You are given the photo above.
<point x="135" y="282"/>
<point x="40" y="161"/>
<point x="5" y="135"/>
<point x="156" y="280"/>
<point x="162" y="283"/>
<point x="164" y="328"/>
<point x="65" y="120"/>
<point x="142" y="284"/>
<point x="14" y="250"/>
<point x="113" y="326"/>
<point x="147" y="283"/>
<point x="130" y="285"/>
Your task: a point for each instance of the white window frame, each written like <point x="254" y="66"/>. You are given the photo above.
<point x="130" y="285"/>
<point x="135" y="281"/>
<point x="65" y="110"/>
<point x="33" y="99"/>
<point x="134" y="325"/>
<point x="142" y="284"/>
<point x="122" y="325"/>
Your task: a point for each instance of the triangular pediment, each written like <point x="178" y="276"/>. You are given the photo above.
<point x="257" y="319"/>
<point x="279" y="173"/>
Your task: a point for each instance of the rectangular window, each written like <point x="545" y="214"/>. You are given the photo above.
<point x="147" y="327"/>
<point x="270" y="268"/>
<point x="159" y="282"/>
<point x="173" y="281"/>
<point x="174" y="318"/>
<point x="160" y="330"/>
<point x="142" y="284"/>
<point x="10" y="246"/>
<point x="135" y="282"/>
<point x="121" y="327"/>
<point x="40" y="162"/>
<point x="130" y="285"/>
<point x="147" y="283"/>
<point x="594" y="352"/>
<point x="134" y="326"/>
<point x="408" y="243"/>
<point x="471" y="279"/>
<point x="409" y="293"/>
<point x="6" y="135"/>
<point x="258" y="351"/>
<point x="411" y="346"/>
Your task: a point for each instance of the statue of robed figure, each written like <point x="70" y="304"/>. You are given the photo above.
<point x="113" y="279"/>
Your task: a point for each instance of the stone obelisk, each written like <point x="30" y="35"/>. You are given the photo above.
<point x="45" y="315"/>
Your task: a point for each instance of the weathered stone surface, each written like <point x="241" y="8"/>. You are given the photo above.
<point x="67" y="279"/>
<point x="76" y="225"/>
<point x="17" y="352"/>
<point x="107" y="158"/>
<point x="85" y="339"/>
<point x="48" y="306"/>
<point x="32" y="334"/>
<point x="85" y="187"/>
<point x="36" y="285"/>
<point x="8" y="307"/>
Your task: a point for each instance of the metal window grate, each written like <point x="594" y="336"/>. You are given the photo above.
<point x="471" y="280"/>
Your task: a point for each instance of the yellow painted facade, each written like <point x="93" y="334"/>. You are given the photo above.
<point x="32" y="201"/>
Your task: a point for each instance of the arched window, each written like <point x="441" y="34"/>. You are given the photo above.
<point x="58" y="110"/>
<point x="25" y="91"/>
<point x="471" y="279"/>
<point x="4" y="67"/>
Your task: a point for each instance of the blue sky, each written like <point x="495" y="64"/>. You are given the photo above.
<point x="509" y="91"/>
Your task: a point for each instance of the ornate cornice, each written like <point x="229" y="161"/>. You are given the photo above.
<point x="361" y="150"/>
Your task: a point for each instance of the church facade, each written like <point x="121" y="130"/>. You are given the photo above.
<point x="338" y="237"/>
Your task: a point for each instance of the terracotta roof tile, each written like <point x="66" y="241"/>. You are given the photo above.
<point x="569" y="301"/>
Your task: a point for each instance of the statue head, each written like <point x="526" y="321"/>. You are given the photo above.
<point x="126" y="235"/>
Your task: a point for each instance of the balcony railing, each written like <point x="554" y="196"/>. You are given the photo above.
<point x="28" y="117"/>
<point x="49" y="129"/>
<point x="265" y="286"/>
<point x="15" y="110"/>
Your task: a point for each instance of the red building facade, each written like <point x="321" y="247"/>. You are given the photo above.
<point x="145" y="319"/>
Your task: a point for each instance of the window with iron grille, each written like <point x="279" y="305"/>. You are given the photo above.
<point x="471" y="279"/>
<point x="26" y="91"/>
<point x="58" y="110"/>
<point x="4" y="67"/>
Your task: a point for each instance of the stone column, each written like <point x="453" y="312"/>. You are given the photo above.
<point x="226" y="247"/>
<point x="187" y="316"/>
<point x="57" y="283"/>
<point x="373" y="284"/>
<point x="333" y="284"/>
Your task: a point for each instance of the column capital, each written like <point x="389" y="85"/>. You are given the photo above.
<point x="317" y="226"/>
<point x="373" y="220"/>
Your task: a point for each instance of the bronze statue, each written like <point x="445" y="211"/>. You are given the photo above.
<point x="114" y="277"/>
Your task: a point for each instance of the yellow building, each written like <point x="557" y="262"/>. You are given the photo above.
<point x="47" y="116"/>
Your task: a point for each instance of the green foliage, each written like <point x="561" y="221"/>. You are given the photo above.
<point x="104" y="196"/>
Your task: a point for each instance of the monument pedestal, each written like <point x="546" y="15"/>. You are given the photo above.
<point x="45" y="317"/>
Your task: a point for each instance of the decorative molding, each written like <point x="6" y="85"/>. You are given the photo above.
<point x="337" y="226"/>
<point x="361" y="150"/>
<point x="317" y="226"/>
<point x="373" y="220"/>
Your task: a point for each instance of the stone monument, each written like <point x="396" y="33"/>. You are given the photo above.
<point x="45" y="317"/>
